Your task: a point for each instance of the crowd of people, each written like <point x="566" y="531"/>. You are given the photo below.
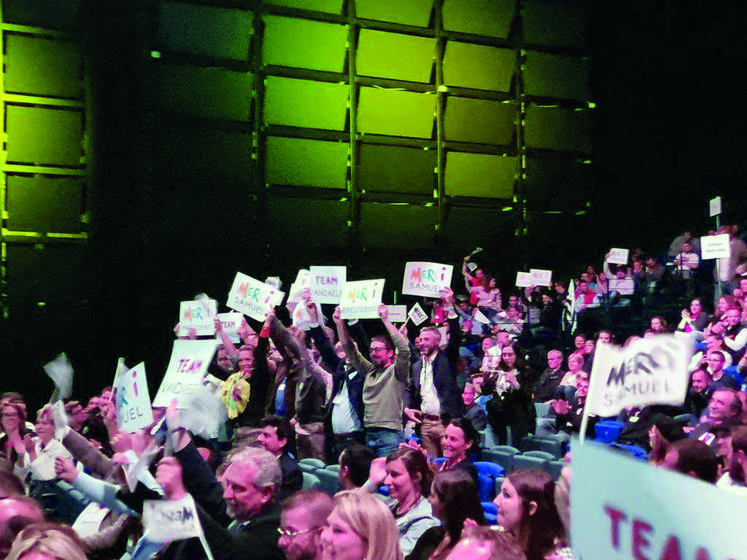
<point x="401" y="413"/>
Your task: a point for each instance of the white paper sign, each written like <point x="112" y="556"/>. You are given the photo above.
<point x="189" y="362"/>
<point x="714" y="206"/>
<point x="426" y="279"/>
<point x="480" y="317"/>
<point x="231" y="323"/>
<point x="361" y="299"/>
<point x="397" y="313"/>
<point x="649" y="371"/>
<point x="417" y="315"/>
<point x="327" y="282"/>
<point x="524" y="279"/>
<point x="132" y="400"/>
<point x="303" y="281"/>
<point x="618" y="256"/>
<point x="623" y="509"/>
<point x="170" y="520"/>
<point x="715" y="246"/>
<point x="253" y="297"/>
<point x="541" y="277"/>
<point x="198" y="315"/>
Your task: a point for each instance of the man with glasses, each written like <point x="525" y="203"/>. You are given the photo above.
<point x="549" y="381"/>
<point x="301" y="522"/>
<point x="385" y="379"/>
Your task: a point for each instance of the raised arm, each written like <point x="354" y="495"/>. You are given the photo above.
<point x="402" y="360"/>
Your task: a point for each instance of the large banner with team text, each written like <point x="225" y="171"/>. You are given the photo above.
<point x="625" y="509"/>
<point x="649" y="371"/>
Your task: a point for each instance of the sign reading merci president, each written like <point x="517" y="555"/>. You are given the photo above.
<point x="361" y="299"/>
<point x="253" y="297"/>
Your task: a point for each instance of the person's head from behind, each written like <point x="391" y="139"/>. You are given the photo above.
<point x="302" y="519"/>
<point x="10" y="485"/>
<point x="273" y="436"/>
<point x="382" y="351"/>
<point x="250" y="481"/>
<point x="360" y="527"/>
<point x="738" y="460"/>
<point x="693" y="458"/>
<point x="355" y="465"/>
<point x="454" y="498"/>
<point x="482" y="543"/>
<point x="407" y="474"/>
<point x="526" y="509"/>
<point x="47" y="541"/>
<point x="16" y="513"/>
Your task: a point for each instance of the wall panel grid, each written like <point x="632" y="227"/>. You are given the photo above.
<point x="444" y="100"/>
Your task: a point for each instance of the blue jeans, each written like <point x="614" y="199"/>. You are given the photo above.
<point x="383" y="440"/>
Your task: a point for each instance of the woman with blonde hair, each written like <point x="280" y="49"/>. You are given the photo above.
<point x="47" y="541"/>
<point x="360" y="527"/>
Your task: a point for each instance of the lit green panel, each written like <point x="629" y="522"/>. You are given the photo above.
<point x="204" y="30"/>
<point x="311" y="163"/>
<point x="304" y="44"/>
<point x="301" y="224"/>
<point x="327" y="6"/>
<point x="549" y="22"/>
<point x="42" y="67"/>
<point x="44" y="136"/>
<point x="552" y="75"/>
<point x="396" y="113"/>
<point x="304" y="103"/>
<point x="481" y="17"/>
<point x="44" y="205"/>
<point x="477" y="120"/>
<point x="398" y="170"/>
<point x="558" y="184"/>
<point x="411" y="12"/>
<point x="400" y="226"/>
<point x="213" y="93"/>
<point x="478" y="66"/>
<point x="395" y="56"/>
<point x="558" y="129"/>
<point x="480" y="175"/>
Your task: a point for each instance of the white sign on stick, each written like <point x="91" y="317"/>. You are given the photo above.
<point x="133" y="400"/>
<point x="715" y="246"/>
<point x="169" y="520"/>
<point x="417" y="315"/>
<point x="361" y="299"/>
<point x="231" y="323"/>
<point x="618" y="256"/>
<point x="253" y="297"/>
<point x="188" y="365"/>
<point x="714" y="206"/>
<point x="524" y="279"/>
<point x="397" y="313"/>
<point x="326" y="283"/>
<point x="623" y="508"/>
<point x="541" y="277"/>
<point x="426" y="279"/>
<point x="649" y="371"/>
<point x="198" y="315"/>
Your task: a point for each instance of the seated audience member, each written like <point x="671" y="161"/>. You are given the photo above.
<point x="454" y="498"/>
<point x="568" y="416"/>
<point x="696" y="400"/>
<point x="733" y="333"/>
<point x="76" y="414"/>
<point x="408" y="478"/>
<point x="694" y="319"/>
<point x="549" y="381"/>
<point x="273" y="437"/>
<point x="16" y="513"/>
<point x="719" y="378"/>
<point x="355" y="466"/>
<point x="567" y="386"/>
<point x="526" y="510"/>
<point x="693" y="458"/>
<point x="473" y="412"/>
<point x="700" y="359"/>
<point x="302" y="519"/>
<point x="47" y="541"/>
<point x="460" y="441"/>
<point x="483" y="543"/>
<point x="659" y="325"/>
<point x="724" y="408"/>
<point x="735" y="479"/>
<point x="360" y="528"/>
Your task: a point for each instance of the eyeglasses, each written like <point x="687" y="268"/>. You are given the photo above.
<point x="290" y="534"/>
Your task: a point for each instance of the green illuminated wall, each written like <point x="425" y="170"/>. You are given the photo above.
<point x="390" y="119"/>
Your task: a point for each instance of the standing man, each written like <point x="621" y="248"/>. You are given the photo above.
<point x="385" y="379"/>
<point x="432" y="393"/>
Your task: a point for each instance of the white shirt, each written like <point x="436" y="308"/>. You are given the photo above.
<point x="430" y="403"/>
